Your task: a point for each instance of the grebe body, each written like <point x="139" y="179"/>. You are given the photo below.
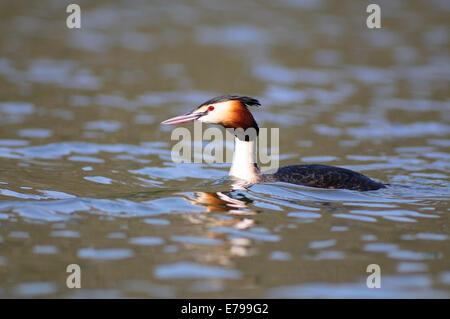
<point x="323" y="176"/>
<point x="231" y="111"/>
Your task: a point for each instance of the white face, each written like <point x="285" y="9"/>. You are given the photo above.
<point x="231" y="113"/>
<point x="217" y="113"/>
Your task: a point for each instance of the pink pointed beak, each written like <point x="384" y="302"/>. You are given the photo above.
<point x="186" y="118"/>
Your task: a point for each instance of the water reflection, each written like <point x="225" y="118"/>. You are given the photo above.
<point x="236" y="230"/>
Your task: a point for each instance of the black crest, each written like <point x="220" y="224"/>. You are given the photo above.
<point x="246" y="100"/>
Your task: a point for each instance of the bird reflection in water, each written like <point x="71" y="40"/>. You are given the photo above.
<point x="223" y="202"/>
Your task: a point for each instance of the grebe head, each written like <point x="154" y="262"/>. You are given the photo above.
<point x="230" y="111"/>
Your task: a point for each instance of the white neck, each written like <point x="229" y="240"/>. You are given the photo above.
<point x="244" y="164"/>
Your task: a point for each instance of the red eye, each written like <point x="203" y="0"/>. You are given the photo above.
<point x="211" y="108"/>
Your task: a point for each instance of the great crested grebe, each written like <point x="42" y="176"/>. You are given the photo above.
<point x="231" y="111"/>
